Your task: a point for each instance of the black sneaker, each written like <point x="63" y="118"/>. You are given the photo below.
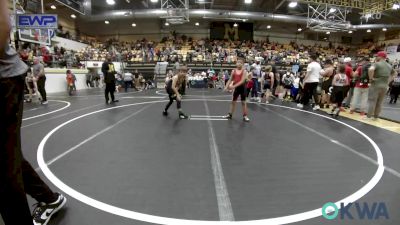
<point x="43" y="212"/>
<point x="165" y="113"/>
<point x="229" y="116"/>
<point x="183" y="116"/>
<point x="115" y="100"/>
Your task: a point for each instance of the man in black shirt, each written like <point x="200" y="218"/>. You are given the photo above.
<point x="108" y="70"/>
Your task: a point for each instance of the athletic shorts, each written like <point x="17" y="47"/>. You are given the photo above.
<point x="294" y="91"/>
<point x="241" y="90"/>
<point x="31" y="85"/>
<point x="326" y="85"/>
<point x="267" y="86"/>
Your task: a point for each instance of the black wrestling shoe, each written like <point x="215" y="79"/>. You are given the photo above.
<point x="229" y="116"/>
<point x="183" y="116"/>
<point x="43" y="212"/>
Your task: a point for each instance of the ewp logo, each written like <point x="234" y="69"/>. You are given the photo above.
<point x="376" y="211"/>
<point x="37" y="21"/>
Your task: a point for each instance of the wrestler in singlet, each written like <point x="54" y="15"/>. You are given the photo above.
<point x="239" y="90"/>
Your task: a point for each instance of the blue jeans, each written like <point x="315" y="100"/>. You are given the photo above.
<point x="254" y="91"/>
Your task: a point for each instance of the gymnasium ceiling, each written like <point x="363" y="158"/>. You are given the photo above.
<point x="99" y="8"/>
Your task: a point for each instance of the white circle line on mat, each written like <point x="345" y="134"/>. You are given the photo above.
<point x="51" y="112"/>
<point x="167" y="220"/>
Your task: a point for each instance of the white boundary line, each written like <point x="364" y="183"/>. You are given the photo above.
<point x="144" y="97"/>
<point x="206" y="116"/>
<point x="87" y="96"/>
<point x="61" y="115"/>
<point x="208" y="119"/>
<point x="95" y="135"/>
<point x="225" y="210"/>
<point x="166" y="220"/>
<point x="207" y="96"/>
<point x="54" y="111"/>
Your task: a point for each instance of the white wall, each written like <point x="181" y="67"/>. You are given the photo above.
<point x="56" y="80"/>
<point x="69" y="44"/>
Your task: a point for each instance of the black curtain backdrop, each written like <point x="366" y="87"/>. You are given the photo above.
<point x="222" y="30"/>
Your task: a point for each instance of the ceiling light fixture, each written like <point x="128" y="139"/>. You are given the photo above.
<point x="133" y="24"/>
<point x="332" y="10"/>
<point x="110" y="2"/>
<point x="299" y="30"/>
<point x="328" y="32"/>
<point x="292" y="4"/>
<point x="384" y="29"/>
<point x="396" y="6"/>
<point x="368" y="31"/>
<point x="154" y="1"/>
<point x="73" y="16"/>
<point x="197" y="24"/>
<point x="53" y="7"/>
<point x="107" y="22"/>
<point x="235" y="25"/>
<point x="350" y="31"/>
<point x="248" y="1"/>
<point x="166" y="24"/>
<point x="269" y="27"/>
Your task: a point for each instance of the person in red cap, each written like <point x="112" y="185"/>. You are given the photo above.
<point x="379" y="76"/>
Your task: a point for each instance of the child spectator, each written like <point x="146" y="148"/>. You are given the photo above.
<point x="70" y="82"/>
<point x="395" y="89"/>
<point x="287" y="81"/>
<point x="269" y="81"/>
<point x="340" y="85"/>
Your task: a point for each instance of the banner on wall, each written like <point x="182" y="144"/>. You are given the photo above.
<point x="392" y="49"/>
<point x="227" y="30"/>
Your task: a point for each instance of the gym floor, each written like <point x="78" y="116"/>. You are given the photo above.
<point x="125" y="163"/>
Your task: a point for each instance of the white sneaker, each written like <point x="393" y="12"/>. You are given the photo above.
<point x="316" y="107"/>
<point x="45" y="102"/>
<point x="300" y="106"/>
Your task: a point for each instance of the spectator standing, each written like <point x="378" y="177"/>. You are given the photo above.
<point x="108" y="70"/>
<point x="379" y="75"/>
<point x="256" y="74"/>
<point x="311" y="82"/>
<point x="349" y="74"/>
<point x="360" y="95"/>
<point x="70" y="82"/>
<point x="395" y="88"/>
<point x="38" y="73"/>
<point x="327" y="76"/>
<point x="340" y="84"/>
<point x="17" y="177"/>
<point x="128" y="81"/>
<point x="89" y="78"/>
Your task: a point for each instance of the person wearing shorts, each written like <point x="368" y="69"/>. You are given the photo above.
<point x="327" y="76"/>
<point x="340" y="84"/>
<point x="172" y="88"/>
<point x="269" y="80"/>
<point x="237" y="83"/>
